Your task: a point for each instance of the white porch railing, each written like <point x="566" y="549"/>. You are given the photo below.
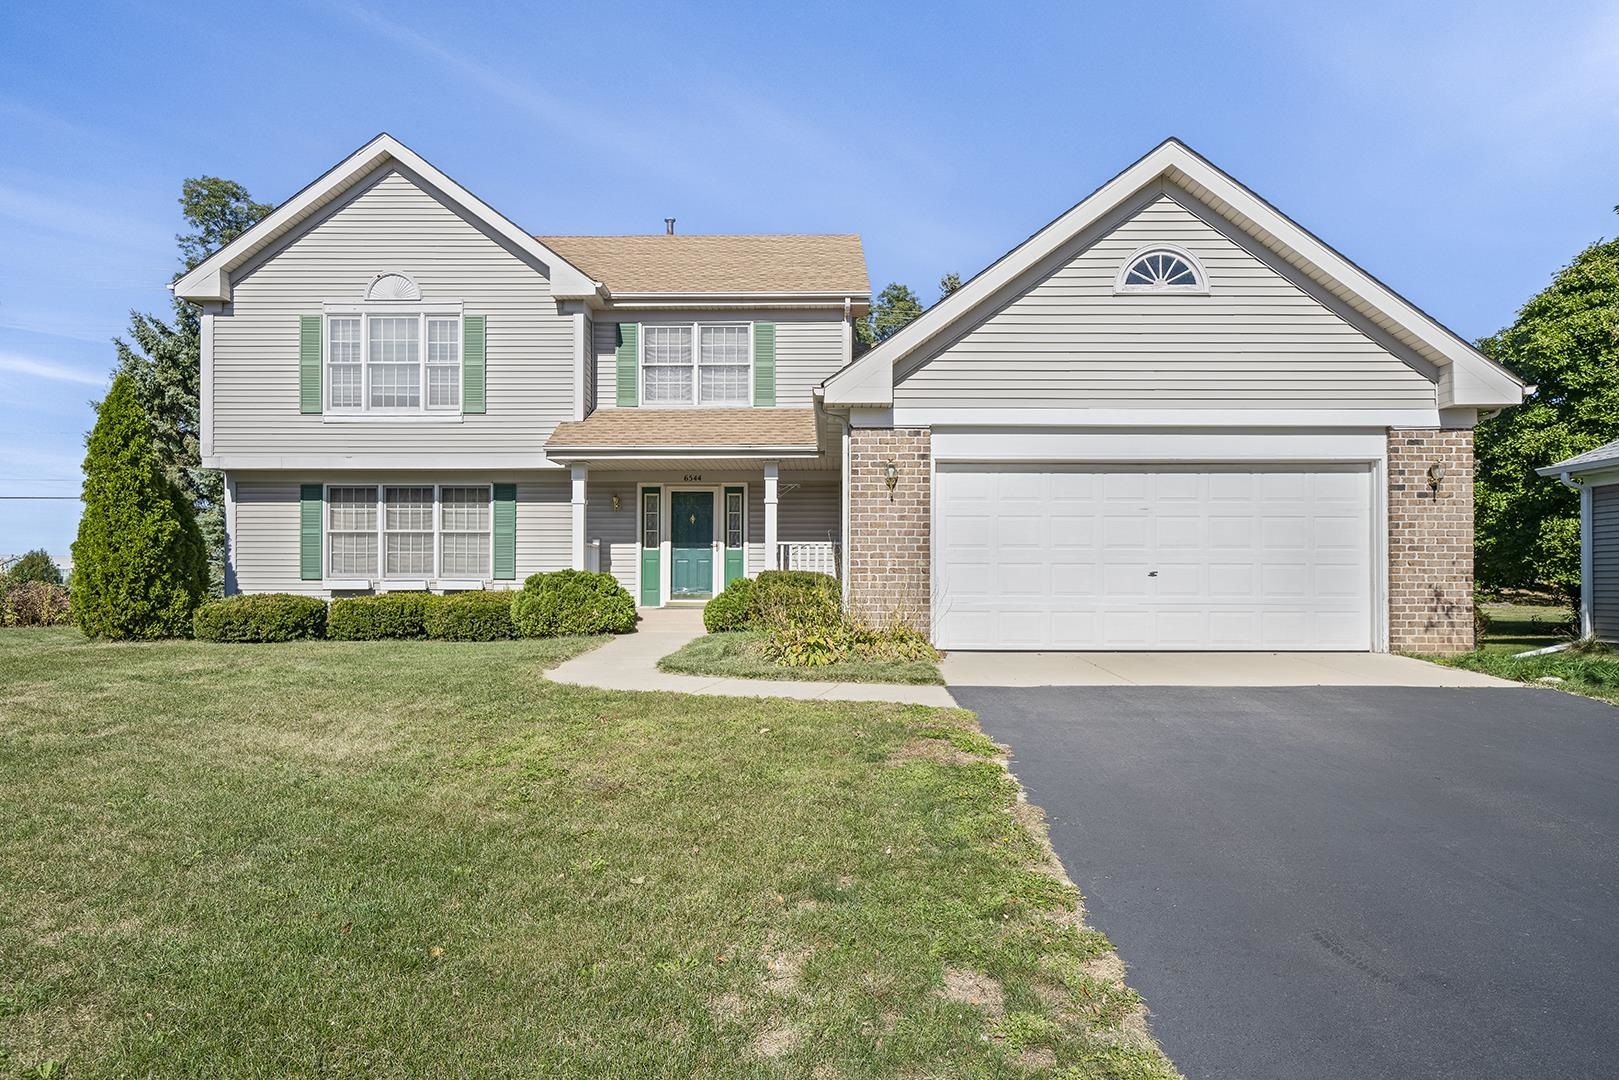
<point x="820" y="556"/>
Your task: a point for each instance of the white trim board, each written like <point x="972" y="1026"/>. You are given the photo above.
<point x="1136" y="419"/>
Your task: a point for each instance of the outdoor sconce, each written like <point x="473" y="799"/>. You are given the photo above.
<point x="890" y="477"/>
<point x="617" y="502"/>
<point x="1436" y="475"/>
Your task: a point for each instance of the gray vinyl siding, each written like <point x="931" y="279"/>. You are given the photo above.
<point x="264" y="543"/>
<point x="1257" y="341"/>
<point x="809" y="347"/>
<point x="1605" y="561"/>
<point x="806" y="512"/>
<point x="393" y="223"/>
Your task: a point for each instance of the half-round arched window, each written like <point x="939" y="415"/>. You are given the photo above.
<point x="392" y="287"/>
<point x="1162" y="269"/>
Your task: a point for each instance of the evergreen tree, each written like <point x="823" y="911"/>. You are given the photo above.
<point x="949" y="284"/>
<point x="163" y="358"/>
<point x="35" y="565"/>
<point x="139" y="564"/>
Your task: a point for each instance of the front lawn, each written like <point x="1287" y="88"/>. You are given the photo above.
<point x="1593" y="674"/>
<point x="737" y="655"/>
<point x="422" y="859"/>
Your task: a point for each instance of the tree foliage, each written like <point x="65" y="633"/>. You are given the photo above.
<point x="1566" y="342"/>
<point x="139" y="565"/>
<point x="36" y="565"/>
<point x="895" y="306"/>
<point x="163" y="358"/>
<point x="949" y="284"/>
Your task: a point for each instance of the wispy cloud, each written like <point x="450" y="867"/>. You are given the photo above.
<point x="51" y="214"/>
<point x="12" y="364"/>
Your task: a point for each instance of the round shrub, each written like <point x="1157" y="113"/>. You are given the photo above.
<point x="378" y="618"/>
<point x="732" y="609"/>
<point x="471" y="616"/>
<point x="800" y="598"/>
<point x="261" y="617"/>
<point x="572" y="602"/>
<point x="35" y="603"/>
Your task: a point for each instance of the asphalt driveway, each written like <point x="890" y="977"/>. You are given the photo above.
<point x="1342" y="881"/>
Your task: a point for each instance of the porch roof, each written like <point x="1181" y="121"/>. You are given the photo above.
<point x="723" y="432"/>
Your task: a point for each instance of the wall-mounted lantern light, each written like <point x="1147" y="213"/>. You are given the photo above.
<point x="890" y="477"/>
<point x="617" y="502"/>
<point x="1436" y="475"/>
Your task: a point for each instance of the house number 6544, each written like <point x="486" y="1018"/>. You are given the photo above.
<point x="692" y="477"/>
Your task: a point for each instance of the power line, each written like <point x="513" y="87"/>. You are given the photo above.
<point x="41" y="498"/>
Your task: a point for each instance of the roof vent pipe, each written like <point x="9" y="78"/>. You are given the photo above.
<point x="668" y="226"/>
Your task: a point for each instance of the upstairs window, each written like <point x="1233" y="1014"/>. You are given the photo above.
<point x="393" y="362"/>
<point x="697" y="364"/>
<point x="1161" y="270"/>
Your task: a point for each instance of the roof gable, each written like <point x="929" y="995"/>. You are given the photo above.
<point x="1466" y="378"/>
<point x="211" y="279"/>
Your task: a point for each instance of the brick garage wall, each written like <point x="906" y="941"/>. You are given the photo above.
<point x="890" y="554"/>
<point x="1430" y="542"/>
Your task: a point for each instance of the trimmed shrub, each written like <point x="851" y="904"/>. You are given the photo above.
<point x="732" y="609"/>
<point x="471" y="616"/>
<point x="261" y="617"/>
<point x="572" y="602"/>
<point x="35" y="603"/>
<point x="377" y="618"/>
<point x="798" y="598"/>
<point x="36" y="565"/>
<point x="139" y="565"/>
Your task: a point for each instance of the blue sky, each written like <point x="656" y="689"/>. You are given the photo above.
<point x="1461" y="153"/>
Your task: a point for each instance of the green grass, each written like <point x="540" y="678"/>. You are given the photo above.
<point x="422" y="859"/>
<point x="1592" y="674"/>
<point x="736" y="655"/>
<point x="1518" y="626"/>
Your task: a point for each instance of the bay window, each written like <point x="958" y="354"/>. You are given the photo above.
<point x="393" y="362"/>
<point x="409" y="531"/>
<point x="697" y="364"/>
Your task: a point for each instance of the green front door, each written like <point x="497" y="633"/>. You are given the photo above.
<point x="691" y="540"/>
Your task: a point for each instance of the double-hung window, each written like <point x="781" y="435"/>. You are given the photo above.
<point x="409" y="531"/>
<point x="697" y="364"/>
<point x="393" y="362"/>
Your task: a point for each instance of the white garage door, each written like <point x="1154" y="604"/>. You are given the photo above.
<point x="1153" y="557"/>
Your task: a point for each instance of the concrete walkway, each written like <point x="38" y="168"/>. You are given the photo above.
<point x="1203" y="669"/>
<point x="630" y="662"/>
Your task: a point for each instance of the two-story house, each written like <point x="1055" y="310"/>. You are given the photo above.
<point x="1171" y="418"/>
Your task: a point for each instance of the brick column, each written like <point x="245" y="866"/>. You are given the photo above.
<point x="1430" y="541"/>
<point x="890" y="554"/>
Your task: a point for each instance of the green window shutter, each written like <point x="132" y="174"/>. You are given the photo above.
<point x="472" y="363"/>
<point x="309" y="397"/>
<point x="311" y="514"/>
<point x="735" y="506"/>
<point x="629" y="365"/>
<point x="764" y="363"/>
<point x="650" y="526"/>
<point x="505" y="532"/>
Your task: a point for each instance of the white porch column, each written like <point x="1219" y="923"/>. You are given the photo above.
<point x="580" y="472"/>
<point x="771" y="557"/>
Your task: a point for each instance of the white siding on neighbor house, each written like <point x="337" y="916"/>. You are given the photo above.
<point x="264" y="543"/>
<point x="809" y="347"/>
<point x="806" y="512"/>
<point x="1605" y="561"/>
<point x="1258" y="340"/>
<point x="590" y="365"/>
<point x="391" y="223"/>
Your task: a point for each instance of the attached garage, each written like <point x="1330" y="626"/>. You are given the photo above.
<point x="1116" y="556"/>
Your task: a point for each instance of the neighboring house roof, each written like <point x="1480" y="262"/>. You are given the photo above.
<point x="1467" y="378"/>
<point x="727" y="265"/>
<point x="1605" y="456"/>
<point x="687" y="431"/>
<point x="210" y="280"/>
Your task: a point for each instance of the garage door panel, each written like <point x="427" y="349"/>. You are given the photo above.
<point x="1214" y="557"/>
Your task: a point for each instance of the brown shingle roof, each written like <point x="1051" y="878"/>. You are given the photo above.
<point x="719" y="264"/>
<point x="687" y="429"/>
